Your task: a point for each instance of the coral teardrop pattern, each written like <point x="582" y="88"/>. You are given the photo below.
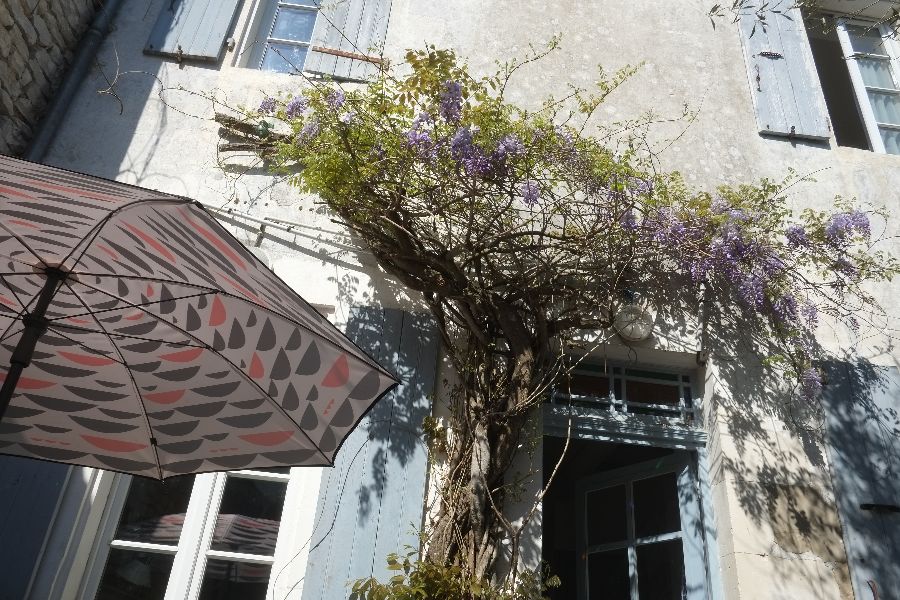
<point x="170" y="348"/>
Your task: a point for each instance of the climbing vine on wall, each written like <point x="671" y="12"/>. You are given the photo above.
<point x="524" y="228"/>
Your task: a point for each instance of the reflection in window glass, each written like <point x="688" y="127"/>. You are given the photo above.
<point x="154" y="510"/>
<point x="231" y="580"/>
<point x="660" y="569"/>
<point x="876" y="72"/>
<point x="284" y="58"/>
<point x="886" y="107"/>
<point x="656" y="505"/>
<point x="294" y="25"/>
<point x="135" y="575"/>
<point x="866" y="40"/>
<point x="249" y="516"/>
<point x="606" y="519"/>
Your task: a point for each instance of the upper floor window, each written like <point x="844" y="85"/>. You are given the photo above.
<point x="858" y="67"/>
<point x="284" y="34"/>
<point x="629" y="390"/>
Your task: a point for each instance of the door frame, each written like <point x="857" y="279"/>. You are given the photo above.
<point x="690" y="510"/>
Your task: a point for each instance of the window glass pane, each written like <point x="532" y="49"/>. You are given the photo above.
<point x="886" y="107"/>
<point x="229" y="580"/>
<point x="660" y="571"/>
<point x="876" y="72"/>
<point x="154" y="510"/>
<point x="651" y="393"/>
<point x="866" y="39"/>
<point x="284" y="58"/>
<point x="891" y="139"/>
<point x="294" y="24"/>
<point x="656" y="505"/>
<point x="605" y="512"/>
<point x="249" y="516"/>
<point x="135" y="575"/>
<point x="607" y="574"/>
<point x="587" y="384"/>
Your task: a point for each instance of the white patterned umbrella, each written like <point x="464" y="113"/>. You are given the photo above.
<point x="142" y="337"/>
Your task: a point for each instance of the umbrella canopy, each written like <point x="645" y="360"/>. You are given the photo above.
<point x="142" y="337"/>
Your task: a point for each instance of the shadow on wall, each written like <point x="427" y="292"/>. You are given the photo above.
<point x="775" y="453"/>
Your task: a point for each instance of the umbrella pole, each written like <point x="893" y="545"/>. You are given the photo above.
<point x="35" y="326"/>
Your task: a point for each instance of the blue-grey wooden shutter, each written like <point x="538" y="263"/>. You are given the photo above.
<point x="371" y="503"/>
<point x="192" y="29"/>
<point x="787" y="95"/>
<point x="29" y="492"/>
<point x="345" y="30"/>
<point x="863" y="434"/>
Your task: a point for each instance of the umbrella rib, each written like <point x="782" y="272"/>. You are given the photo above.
<point x="326" y="325"/>
<point x="23" y="242"/>
<point x="238" y="370"/>
<point x="134" y="384"/>
<point x="91" y="235"/>
<point x="82" y="344"/>
<point x="106" y="310"/>
<point x="130" y="337"/>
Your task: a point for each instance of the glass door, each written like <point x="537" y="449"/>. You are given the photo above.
<point x="212" y="536"/>
<point x="640" y="533"/>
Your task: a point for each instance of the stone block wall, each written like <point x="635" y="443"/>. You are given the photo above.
<point x="37" y="41"/>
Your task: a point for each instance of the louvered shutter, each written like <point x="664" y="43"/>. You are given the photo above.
<point x="372" y="501"/>
<point x="29" y="493"/>
<point x="347" y="31"/>
<point x="192" y="29"/>
<point x="787" y="95"/>
<point x="863" y="436"/>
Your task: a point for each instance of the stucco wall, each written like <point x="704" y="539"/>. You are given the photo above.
<point x="37" y="39"/>
<point x="766" y="454"/>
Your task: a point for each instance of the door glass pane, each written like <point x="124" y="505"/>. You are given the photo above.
<point x="154" y="510"/>
<point x="891" y="139"/>
<point x="135" y="575"/>
<point x="866" y="39"/>
<point x="605" y="512"/>
<point x="660" y="570"/>
<point x="284" y="58"/>
<point x="656" y="505"/>
<point x="231" y="580"/>
<point x="294" y="24"/>
<point x="607" y="574"/>
<point x="876" y="73"/>
<point x="886" y="107"/>
<point x="249" y="516"/>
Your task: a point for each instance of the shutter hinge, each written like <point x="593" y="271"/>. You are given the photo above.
<point x="179" y="54"/>
<point x="793" y="132"/>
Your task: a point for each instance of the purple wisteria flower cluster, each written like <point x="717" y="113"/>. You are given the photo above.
<point x="451" y="102"/>
<point x="267" y="106"/>
<point x="843" y="226"/>
<point x="296" y="107"/>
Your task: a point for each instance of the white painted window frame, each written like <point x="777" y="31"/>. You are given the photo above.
<point x="259" y="31"/>
<point x="193" y="550"/>
<point x="859" y="87"/>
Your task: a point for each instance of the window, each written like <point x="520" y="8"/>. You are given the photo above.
<point x="209" y="536"/>
<point x="859" y="70"/>
<point x="629" y="391"/>
<point x="285" y="31"/>
<point x="341" y="40"/>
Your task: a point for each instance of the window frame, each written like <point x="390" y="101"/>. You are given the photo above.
<point x="194" y="543"/>
<point x="860" y="89"/>
<point x="695" y="551"/>
<point x="259" y="33"/>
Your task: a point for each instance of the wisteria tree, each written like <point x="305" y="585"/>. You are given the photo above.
<point x="521" y="229"/>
